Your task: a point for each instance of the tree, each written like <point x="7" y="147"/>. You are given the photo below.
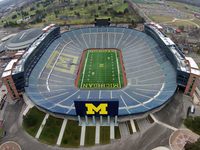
<point x="14" y="16"/>
<point x="193" y="123"/>
<point x="193" y="146"/>
<point x="126" y="11"/>
<point x="181" y="27"/>
<point x="38" y="5"/>
<point x="86" y="4"/>
<point x="99" y="7"/>
<point x="105" y="13"/>
<point x="90" y="2"/>
<point x="133" y="23"/>
<point x="71" y="8"/>
<point x="77" y="14"/>
<point x="32" y="8"/>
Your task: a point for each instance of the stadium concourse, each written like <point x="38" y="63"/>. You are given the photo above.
<point x="151" y="78"/>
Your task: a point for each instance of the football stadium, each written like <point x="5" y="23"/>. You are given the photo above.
<point x="120" y="72"/>
<point x="62" y="75"/>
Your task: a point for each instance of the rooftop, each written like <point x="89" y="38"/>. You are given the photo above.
<point x="33" y="46"/>
<point x="10" y="64"/>
<point x="23" y="39"/>
<point x="194" y="67"/>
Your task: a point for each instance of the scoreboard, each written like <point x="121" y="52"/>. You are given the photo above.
<point x="97" y="108"/>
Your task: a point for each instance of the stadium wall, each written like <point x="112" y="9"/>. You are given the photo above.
<point x="32" y="60"/>
<point x="21" y="78"/>
<point x="121" y="118"/>
<point x="123" y="69"/>
<point x="80" y="68"/>
<point x="182" y="76"/>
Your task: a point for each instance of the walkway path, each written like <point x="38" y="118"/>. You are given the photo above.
<point x="97" y="133"/>
<point x="61" y="132"/>
<point x="112" y="131"/>
<point x="124" y="131"/>
<point x="82" y="140"/>
<point x="182" y="20"/>
<point x="133" y="126"/>
<point x="163" y="124"/>
<point x="42" y="126"/>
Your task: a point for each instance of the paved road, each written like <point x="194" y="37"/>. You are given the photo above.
<point x="176" y="106"/>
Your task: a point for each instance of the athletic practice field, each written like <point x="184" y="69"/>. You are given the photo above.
<point x="101" y="69"/>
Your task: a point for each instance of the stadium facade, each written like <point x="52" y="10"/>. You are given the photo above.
<point x="154" y="68"/>
<point x="186" y="69"/>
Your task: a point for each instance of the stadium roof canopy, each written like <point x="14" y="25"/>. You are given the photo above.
<point x="23" y="39"/>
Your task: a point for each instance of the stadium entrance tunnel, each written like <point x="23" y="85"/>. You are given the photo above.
<point x="101" y="69"/>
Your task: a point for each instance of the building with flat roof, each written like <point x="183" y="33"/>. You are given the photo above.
<point x="30" y="42"/>
<point x="23" y="39"/>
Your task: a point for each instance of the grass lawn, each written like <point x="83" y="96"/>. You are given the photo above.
<point x="51" y="130"/>
<point x="197" y="21"/>
<point x="100" y="69"/>
<point x="90" y="136"/>
<point x="183" y="6"/>
<point x="72" y="134"/>
<point x="193" y="123"/>
<point x="104" y="135"/>
<point x="139" y="1"/>
<point x="160" y="19"/>
<point x="76" y="12"/>
<point x="183" y="23"/>
<point x="33" y="120"/>
<point x="117" y="133"/>
<point x="2" y="132"/>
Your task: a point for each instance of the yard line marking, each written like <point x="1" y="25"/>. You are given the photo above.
<point x="84" y="67"/>
<point x="118" y="71"/>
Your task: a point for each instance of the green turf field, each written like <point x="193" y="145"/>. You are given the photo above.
<point x="101" y="69"/>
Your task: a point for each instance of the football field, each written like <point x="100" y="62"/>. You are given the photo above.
<point x="101" y="69"/>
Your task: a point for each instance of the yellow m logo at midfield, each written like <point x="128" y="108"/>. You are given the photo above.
<point x="92" y="109"/>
